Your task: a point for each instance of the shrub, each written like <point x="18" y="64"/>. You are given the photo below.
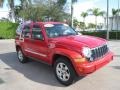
<point x="103" y="34"/>
<point x="7" y="30"/>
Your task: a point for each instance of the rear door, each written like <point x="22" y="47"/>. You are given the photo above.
<point x="37" y="45"/>
<point x="25" y="37"/>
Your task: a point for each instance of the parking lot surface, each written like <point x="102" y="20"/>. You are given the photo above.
<point x="38" y="76"/>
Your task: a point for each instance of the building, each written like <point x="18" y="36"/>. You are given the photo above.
<point x="113" y="24"/>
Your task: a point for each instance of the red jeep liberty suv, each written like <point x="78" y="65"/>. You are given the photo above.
<point x="60" y="46"/>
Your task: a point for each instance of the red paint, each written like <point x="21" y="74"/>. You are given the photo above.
<point x="69" y="46"/>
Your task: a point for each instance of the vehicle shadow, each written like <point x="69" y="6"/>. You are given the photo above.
<point x="117" y="55"/>
<point x="35" y="71"/>
<point x="116" y="67"/>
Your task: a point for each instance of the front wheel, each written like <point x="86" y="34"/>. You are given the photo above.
<point x="64" y="71"/>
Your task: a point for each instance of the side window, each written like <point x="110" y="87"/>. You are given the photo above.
<point x="26" y="31"/>
<point x="37" y="32"/>
<point x="19" y="30"/>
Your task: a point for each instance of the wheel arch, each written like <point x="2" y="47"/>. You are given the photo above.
<point x="56" y="56"/>
<point x="17" y="47"/>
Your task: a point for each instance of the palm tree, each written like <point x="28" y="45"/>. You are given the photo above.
<point x="84" y="15"/>
<point x="114" y="13"/>
<point x="11" y="3"/>
<point x="1" y="3"/>
<point x="96" y="12"/>
<point x="72" y="2"/>
<point x="61" y="2"/>
<point x="25" y="3"/>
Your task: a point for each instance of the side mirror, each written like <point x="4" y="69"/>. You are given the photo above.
<point x="79" y="33"/>
<point x="18" y="33"/>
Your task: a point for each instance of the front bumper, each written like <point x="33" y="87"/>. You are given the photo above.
<point x="87" y="68"/>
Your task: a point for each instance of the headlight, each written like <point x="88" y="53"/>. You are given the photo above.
<point x="86" y="52"/>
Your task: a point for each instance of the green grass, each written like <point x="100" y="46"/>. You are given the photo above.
<point x="7" y="30"/>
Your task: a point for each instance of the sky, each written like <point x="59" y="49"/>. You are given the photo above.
<point x="84" y="5"/>
<point x="79" y="7"/>
<point x="5" y="9"/>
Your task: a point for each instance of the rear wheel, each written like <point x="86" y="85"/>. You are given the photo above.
<point x="64" y="71"/>
<point x="22" y="58"/>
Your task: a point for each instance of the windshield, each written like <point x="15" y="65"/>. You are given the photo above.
<point x="57" y="30"/>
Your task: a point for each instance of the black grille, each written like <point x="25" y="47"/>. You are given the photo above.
<point x="99" y="52"/>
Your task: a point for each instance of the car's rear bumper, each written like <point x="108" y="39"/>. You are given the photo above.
<point x="90" y="67"/>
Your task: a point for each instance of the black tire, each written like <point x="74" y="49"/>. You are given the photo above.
<point x="22" y="58"/>
<point x="69" y="79"/>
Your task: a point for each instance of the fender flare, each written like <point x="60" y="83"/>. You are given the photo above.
<point x="71" y="55"/>
<point x="68" y="53"/>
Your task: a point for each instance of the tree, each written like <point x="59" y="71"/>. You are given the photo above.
<point x="96" y="12"/>
<point x="25" y="3"/>
<point x="75" y="22"/>
<point x="17" y="10"/>
<point x="91" y="25"/>
<point x="114" y="13"/>
<point x="53" y="9"/>
<point x="47" y="9"/>
<point x="32" y="13"/>
<point x="82" y="25"/>
<point x="84" y="15"/>
<point x="61" y="2"/>
<point x="11" y="4"/>
<point x="1" y="3"/>
<point x="72" y="2"/>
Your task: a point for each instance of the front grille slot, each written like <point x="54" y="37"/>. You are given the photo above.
<point x="99" y="52"/>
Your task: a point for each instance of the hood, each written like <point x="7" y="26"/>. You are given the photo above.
<point x="79" y="41"/>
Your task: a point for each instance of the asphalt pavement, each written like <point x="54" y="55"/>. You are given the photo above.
<point x="38" y="76"/>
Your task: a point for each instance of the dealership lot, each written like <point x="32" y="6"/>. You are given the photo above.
<point x="38" y="76"/>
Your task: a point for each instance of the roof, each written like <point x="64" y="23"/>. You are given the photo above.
<point x="50" y="22"/>
<point x="28" y="22"/>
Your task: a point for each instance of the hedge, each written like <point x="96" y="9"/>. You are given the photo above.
<point x="7" y="30"/>
<point x="103" y="34"/>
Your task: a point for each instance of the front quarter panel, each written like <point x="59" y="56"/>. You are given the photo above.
<point x="68" y="53"/>
<point x="72" y="55"/>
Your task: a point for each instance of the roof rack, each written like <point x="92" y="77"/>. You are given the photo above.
<point x="25" y="22"/>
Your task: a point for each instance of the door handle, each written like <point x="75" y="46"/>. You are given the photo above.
<point x="32" y="40"/>
<point x="51" y="45"/>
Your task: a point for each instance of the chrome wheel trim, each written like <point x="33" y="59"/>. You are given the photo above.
<point x="20" y="55"/>
<point x="62" y="72"/>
